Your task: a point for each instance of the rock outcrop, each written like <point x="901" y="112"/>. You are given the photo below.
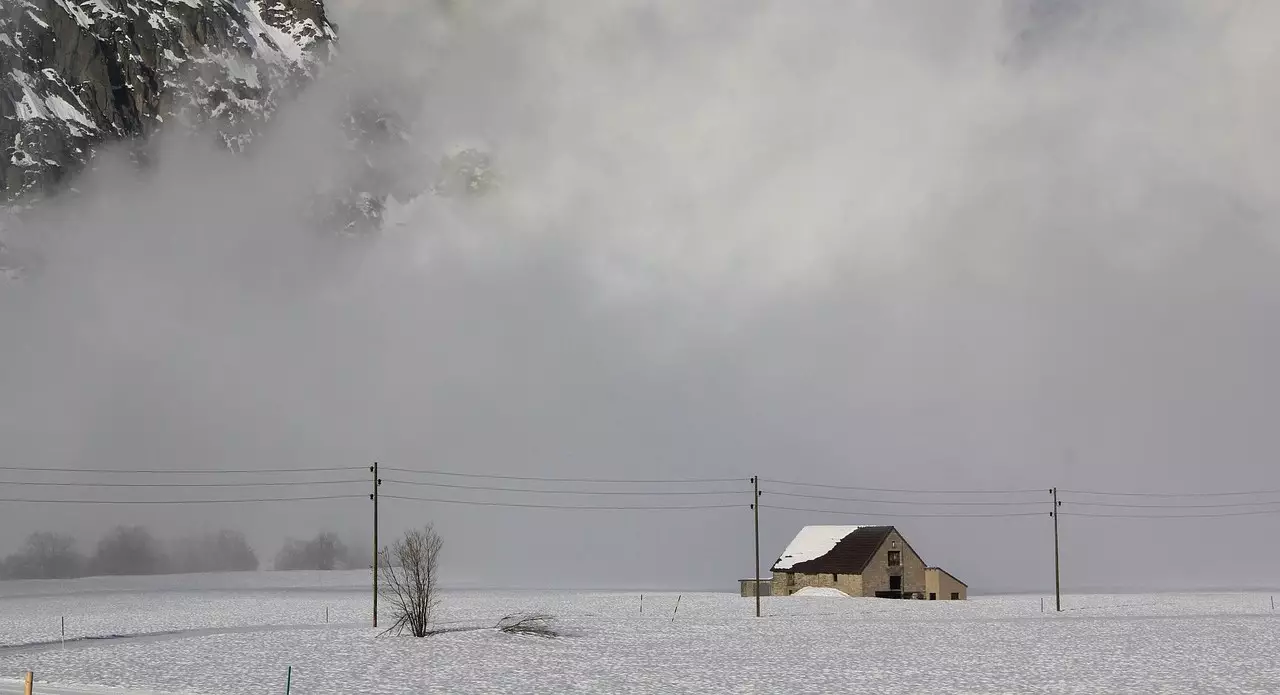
<point x="77" y="73"/>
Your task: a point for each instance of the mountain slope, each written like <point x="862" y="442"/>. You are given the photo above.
<point x="77" y="73"/>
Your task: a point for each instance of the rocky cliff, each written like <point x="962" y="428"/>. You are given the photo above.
<point x="77" y="73"/>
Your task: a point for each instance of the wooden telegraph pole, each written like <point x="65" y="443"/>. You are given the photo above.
<point x="755" y="508"/>
<point x="376" y="482"/>
<point x="1057" y="567"/>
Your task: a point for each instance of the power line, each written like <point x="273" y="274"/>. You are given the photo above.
<point x="571" y="492"/>
<point x="903" y="490"/>
<point x="1172" y="494"/>
<point x="180" y="485"/>
<point x="672" y="481"/>
<point x="910" y="502"/>
<point x="179" y="471"/>
<point x="1172" y="506"/>
<point x="567" y="507"/>
<point x="909" y="516"/>
<point x="1211" y="515"/>
<point x="224" y="501"/>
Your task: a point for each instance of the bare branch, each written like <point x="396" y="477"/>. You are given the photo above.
<point x="537" y="624"/>
<point x="409" y="588"/>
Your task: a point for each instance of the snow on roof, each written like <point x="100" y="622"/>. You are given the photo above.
<point x="812" y="543"/>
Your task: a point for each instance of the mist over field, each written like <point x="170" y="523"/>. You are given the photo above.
<point x="913" y="245"/>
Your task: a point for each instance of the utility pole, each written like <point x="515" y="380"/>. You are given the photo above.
<point x="755" y="508"/>
<point x="1057" y="567"/>
<point x="376" y="482"/>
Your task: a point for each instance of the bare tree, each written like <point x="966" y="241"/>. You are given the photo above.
<point x="410" y="576"/>
<point x="44" y="556"/>
<point x="324" y="552"/>
<point x="129" y="550"/>
<point x="221" y="551"/>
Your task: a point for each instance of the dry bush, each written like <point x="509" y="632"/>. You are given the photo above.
<point x="410" y="576"/>
<point x="537" y="624"/>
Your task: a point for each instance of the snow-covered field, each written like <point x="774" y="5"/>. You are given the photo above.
<point x="238" y="633"/>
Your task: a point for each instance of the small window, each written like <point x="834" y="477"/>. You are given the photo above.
<point x="835" y="577"/>
<point x="955" y="596"/>
<point x="933" y="596"/>
<point x="791" y="579"/>
<point x="895" y="558"/>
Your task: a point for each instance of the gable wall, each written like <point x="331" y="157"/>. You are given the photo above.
<point x="875" y="577"/>
<point x="942" y="585"/>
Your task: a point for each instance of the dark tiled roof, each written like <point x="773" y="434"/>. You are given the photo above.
<point x="850" y="556"/>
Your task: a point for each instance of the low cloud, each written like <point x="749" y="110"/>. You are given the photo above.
<point x="912" y="244"/>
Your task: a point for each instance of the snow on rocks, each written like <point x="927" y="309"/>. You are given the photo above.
<point x="194" y="62"/>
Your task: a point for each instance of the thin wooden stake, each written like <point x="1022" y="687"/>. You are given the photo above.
<point x="673" y="613"/>
<point x="288" y="680"/>
<point x="641" y="604"/>
<point x="28" y="684"/>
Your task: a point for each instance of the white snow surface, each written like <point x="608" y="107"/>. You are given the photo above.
<point x="284" y="45"/>
<point x="61" y="108"/>
<point x="15" y="687"/>
<point x="1165" y="643"/>
<point x="821" y="592"/>
<point x="812" y="543"/>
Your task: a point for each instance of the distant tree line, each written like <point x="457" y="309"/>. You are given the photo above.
<point x="133" y="550"/>
<point x="324" y="552"/>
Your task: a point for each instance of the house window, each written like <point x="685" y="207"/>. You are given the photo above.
<point x="791" y="579"/>
<point x="835" y="577"/>
<point x="933" y="596"/>
<point x="895" y="558"/>
<point x="955" y="596"/>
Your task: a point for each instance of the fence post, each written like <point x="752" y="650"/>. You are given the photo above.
<point x="288" y="680"/>
<point x="28" y="683"/>
<point x="677" y="609"/>
<point x="642" y="604"/>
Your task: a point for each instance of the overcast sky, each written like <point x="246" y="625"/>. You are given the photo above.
<point x="988" y="245"/>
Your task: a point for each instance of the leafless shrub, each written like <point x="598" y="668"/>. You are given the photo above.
<point x="410" y="576"/>
<point x="537" y="624"/>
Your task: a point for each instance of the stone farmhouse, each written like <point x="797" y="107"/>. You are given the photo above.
<point x="859" y="561"/>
